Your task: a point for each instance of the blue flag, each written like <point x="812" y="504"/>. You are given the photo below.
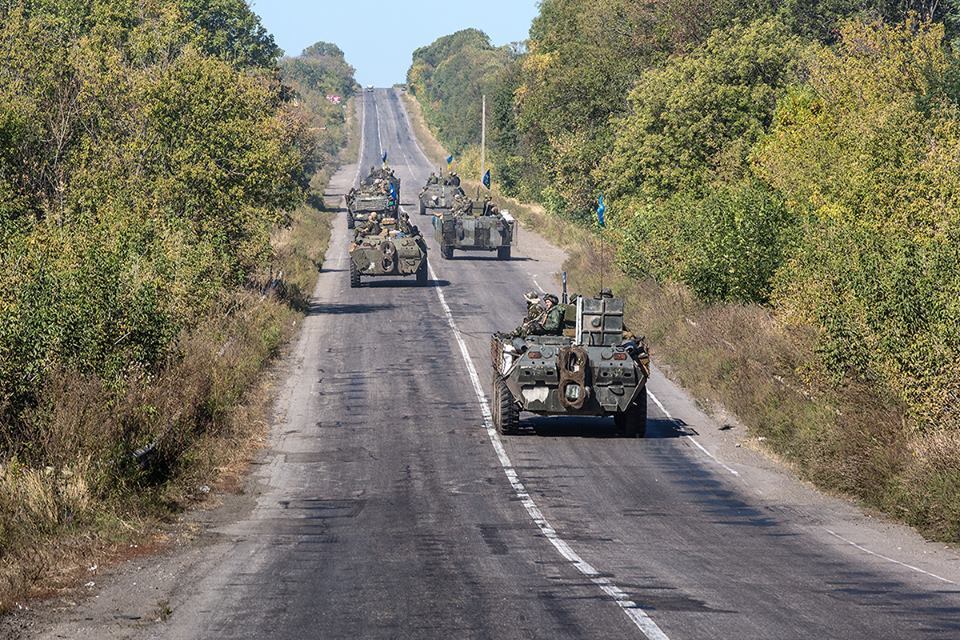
<point x="384" y="157"/>
<point x="486" y="179"/>
<point x="393" y="191"/>
<point x="449" y="159"/>
<point x="601" y="208"/>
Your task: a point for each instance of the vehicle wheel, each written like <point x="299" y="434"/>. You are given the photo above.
<point x="632" y="423"/>
<point x="422" y="271"/>
<point x="423" y="209"/>
<point x="446" y="251"/>
<point x="351" y="223"/>
<point x="354" y="276"/>
<point x="503" y="253"/>
<point x="506" y="413"/>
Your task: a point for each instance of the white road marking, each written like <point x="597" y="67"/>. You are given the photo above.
<point x="363" y="137"/>
<point x="883" y="557"/>
<point x="637" y="615"/>
<point x="376" y="111"/>
<point x="690" y="438"/>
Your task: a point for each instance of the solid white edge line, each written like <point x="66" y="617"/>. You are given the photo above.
<point x="688" y="437"/>
<point x="883" y="557"/>
<point x="636" y="615"/>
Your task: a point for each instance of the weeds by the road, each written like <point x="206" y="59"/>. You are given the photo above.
<point x="192" y="427"/>
<point x="735" y="359"/>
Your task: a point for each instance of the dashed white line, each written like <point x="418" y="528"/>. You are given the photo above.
<point x="636" y="614"/>
<point x="883" y="557"/>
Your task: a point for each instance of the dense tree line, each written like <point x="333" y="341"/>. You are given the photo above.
<point x="148" y="150"/>
<point x="791" y="154"/>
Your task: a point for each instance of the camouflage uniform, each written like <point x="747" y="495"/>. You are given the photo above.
<point x="534" y="313"/>
<point x="370" y="228"/>
<point x="551" y="322"/>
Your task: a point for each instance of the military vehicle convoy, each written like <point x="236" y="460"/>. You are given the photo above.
<point x="595" y="368"/>
<point x="472" y="227"/>
<point x="396" y="249"/>
<point x="379" y="193"/>
<point x="439" y="194"/>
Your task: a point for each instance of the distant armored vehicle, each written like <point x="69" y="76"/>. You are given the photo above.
<point x="379" y="193"/>
<point x="439" y="193"/>
<point x="594" y="368"/>
<point x="471" y="227"/>
<point x="396" y="249"/>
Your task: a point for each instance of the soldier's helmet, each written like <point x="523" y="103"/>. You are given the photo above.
<point x="372" y="217"/>
<point x="606" y="293"/>
<point x="551" y="298"/>
<point x="532" y="297"/>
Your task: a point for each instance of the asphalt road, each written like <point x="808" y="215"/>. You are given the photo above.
<point x="387" y="508"/>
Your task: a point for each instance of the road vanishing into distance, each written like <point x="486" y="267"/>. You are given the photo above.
<point x="385" y="506"/>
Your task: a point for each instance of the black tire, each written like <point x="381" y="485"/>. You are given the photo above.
<point x="423" y="209"/>
<point x="503" y="253"/>
<point x="446" y="251"/>
<point x="506" y="413"/>
<point x="633" y="422"/>
<point x="422" y="271"/>
<point x="354" y="276"/>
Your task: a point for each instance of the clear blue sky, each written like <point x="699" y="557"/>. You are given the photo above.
<point x="378" y="37"/>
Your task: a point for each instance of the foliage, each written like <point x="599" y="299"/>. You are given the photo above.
<point x="867" y="153"/>
<point x="725" y="244"/>
<point x="451" y="76"/>
<point x="323" y="82"/>
<point x="693" y="120"/>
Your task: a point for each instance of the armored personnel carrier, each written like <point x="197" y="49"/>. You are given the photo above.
<point x="472" y="227"/>
<point x="439" y="194"/>
<point x="390" y="252"/>
<point x="595" y="368"/>
<point x="378" y="193"/>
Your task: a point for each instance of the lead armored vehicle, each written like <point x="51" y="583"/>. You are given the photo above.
<point x="378" y="193"/>
<point x="389" y="252"/>
<point x="595" y="368"/>
<point x="474" y="227"/>
<point x="438" y="194"/>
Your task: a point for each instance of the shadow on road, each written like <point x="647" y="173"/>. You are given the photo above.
<point x="345" y="309"/>
<point x="390" y="284"/>
<point x="489" y="258"/>
<point x="591" y="427"/>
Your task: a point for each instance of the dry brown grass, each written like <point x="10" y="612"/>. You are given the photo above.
<point x="738" y="361"/>
<point x="72" y="493"/>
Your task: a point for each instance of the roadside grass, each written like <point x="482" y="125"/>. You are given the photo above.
<point x="744" y="367"/>
<point x="195" y="424"/>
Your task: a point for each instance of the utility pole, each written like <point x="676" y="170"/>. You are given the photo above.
<point x="483" y="138"/>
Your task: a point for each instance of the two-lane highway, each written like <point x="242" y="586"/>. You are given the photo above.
<point x="386" y="507"/>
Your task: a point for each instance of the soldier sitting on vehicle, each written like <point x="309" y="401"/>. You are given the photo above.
<point x="489" y="208"/>
<point x="403" y="224"/>
<point x="370" y="228"/>
<point x="453" y="180"/>
<point x="534" y="312"/>
<point x="550" y="322"/>
<point x="433" y="179"/>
